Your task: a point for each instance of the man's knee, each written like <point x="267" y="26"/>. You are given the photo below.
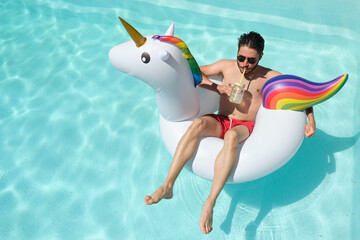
<point x="231" y="139"/>
<point x="197" y="126"/>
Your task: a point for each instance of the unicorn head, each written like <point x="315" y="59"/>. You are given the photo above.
<point x="164" y="66"/>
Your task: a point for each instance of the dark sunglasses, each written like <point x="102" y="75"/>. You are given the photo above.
<point x="242" y="58"/>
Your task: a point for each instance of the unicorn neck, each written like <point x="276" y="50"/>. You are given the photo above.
<point x="178" y="102"/>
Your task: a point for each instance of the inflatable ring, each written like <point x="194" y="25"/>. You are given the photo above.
<point x="276" y="137"/>
<point x="166" y="64"/>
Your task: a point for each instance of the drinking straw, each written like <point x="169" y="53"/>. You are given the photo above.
<point x="237" y="89"/>
<point x="242" y="77"/>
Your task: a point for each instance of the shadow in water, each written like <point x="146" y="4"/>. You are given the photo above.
<point x="297" y="179"/>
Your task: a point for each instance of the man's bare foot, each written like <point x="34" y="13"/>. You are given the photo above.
<point x="205" y="222"/>
<point x="162" y="192"/>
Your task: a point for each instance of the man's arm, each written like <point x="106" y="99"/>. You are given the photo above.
<point x="311" y="125"/>
<point x="214" y="69"/>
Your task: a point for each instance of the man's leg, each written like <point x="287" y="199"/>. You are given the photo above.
<point x="202" y="127"/>
<point x="224" y="163"/>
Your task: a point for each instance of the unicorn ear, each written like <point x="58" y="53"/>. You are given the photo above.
<point x="164" y="55"/>
<point x="170" y="31"/>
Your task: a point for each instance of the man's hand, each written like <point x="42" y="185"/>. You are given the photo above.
<point x="310" y="130"/>
<point x="224" y="90"/>
<point x="311" y="126"/>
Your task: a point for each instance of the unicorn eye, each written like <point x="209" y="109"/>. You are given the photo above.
<point x="145" y="57"/>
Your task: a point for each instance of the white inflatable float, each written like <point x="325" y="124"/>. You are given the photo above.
<point x="160" y="63"/>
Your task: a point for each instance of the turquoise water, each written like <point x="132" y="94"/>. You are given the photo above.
<point x="80" y="144"/>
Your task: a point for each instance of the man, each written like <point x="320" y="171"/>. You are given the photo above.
<point x="234" y="123"/>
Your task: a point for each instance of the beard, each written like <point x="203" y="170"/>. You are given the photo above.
<point x="247" y="70"/>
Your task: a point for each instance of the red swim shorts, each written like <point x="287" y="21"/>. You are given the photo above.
<point x="228" y="123"/>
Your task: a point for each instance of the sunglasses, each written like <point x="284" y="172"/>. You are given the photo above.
<point x="242" y="58"/>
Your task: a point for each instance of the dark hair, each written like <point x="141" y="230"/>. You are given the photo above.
<point x="252" y="40"/>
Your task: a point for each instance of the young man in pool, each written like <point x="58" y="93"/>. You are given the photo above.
<point x="234" y="123"/>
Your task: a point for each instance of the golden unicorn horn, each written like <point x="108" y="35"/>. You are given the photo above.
<point x="134" y="34"/>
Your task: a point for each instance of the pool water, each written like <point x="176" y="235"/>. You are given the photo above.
<point x="80" y="145"/>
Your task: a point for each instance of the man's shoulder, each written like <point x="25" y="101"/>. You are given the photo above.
<point x="269" y="73"/>
<point x="272" y="73"/>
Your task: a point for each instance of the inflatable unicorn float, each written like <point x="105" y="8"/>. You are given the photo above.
<point x="166" y="64"/>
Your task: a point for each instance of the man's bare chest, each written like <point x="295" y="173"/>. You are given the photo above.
<point x="251" y="86"/>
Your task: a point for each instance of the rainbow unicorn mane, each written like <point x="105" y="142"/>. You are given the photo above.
<point x="197" y="75"/>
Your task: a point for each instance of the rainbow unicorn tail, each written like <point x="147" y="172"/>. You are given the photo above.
<point x="288" y="92"/>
